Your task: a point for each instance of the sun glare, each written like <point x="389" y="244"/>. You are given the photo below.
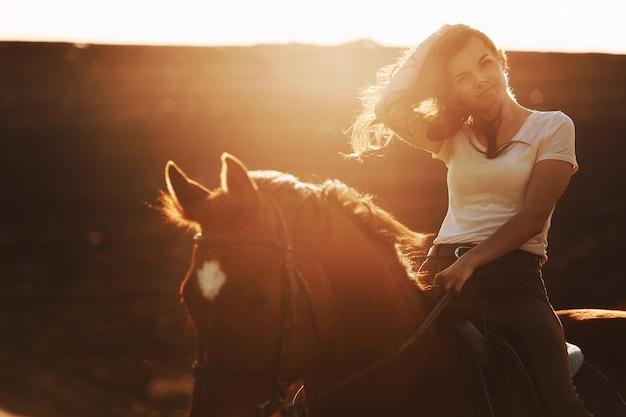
<point x="538" y="25"/>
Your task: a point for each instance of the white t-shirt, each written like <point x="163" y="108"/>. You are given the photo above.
<point x="485" y="193"/>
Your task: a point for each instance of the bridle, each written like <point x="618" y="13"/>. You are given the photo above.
<point x="294" y="279"/>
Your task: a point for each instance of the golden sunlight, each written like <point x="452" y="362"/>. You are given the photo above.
<point x="537" y="26"/>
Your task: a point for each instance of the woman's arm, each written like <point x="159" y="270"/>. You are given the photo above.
<point x="547" y="184"/>
<point x="394" y="108"/>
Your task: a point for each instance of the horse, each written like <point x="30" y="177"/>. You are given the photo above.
<point x="304" y="301"/>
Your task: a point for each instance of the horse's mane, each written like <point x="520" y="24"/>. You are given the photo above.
<point x="360" y="207"/>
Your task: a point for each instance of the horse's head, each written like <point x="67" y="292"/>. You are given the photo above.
<point x="241" y="292"/>
<point x="260" y="322"/>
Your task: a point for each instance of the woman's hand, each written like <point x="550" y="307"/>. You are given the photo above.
<point x="456" y="275"/>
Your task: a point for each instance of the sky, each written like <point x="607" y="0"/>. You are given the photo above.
<point x="528" y="25"/>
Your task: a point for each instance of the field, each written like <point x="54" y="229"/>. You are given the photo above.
<point x="90" y="316"/>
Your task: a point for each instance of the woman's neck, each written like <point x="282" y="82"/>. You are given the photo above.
<point x="503" y="127"/>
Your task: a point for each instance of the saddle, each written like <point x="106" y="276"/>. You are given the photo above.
<point x="475" y="341"/>
<point x="600" y="397"/>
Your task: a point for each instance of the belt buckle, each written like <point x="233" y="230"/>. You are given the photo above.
<point x="458" y="249"/>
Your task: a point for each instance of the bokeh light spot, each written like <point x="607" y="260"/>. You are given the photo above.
<point x="138" y="407"/>
<point x="168" y="104"/>
<point x="327" y="130"/>
<point x="95" y="238"/>
<point x="535" y="96"/>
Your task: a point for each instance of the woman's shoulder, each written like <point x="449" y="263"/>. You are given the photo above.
<point x="545" y="123"/>
<point x="551" y="117"/>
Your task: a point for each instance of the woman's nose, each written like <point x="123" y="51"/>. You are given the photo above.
<point x="481" y="82"/>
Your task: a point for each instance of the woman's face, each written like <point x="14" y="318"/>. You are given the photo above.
<point x="478" y="80"/>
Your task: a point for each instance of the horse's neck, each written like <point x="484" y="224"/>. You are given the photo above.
<point x="371" y="316"/>
<point x="366" y="308"/>
<point x="372" y="306"/>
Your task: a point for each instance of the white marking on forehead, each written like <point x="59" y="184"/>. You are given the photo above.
<point x="211" y="278"/>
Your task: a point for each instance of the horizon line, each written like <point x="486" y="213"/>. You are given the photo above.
<point x="366" y="42"/>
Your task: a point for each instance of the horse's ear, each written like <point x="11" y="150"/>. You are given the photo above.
<point x="235" y="180"/>
<point x="185" y="190"/>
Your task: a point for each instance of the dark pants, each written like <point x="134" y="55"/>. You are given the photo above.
<point x="507" y="297"/>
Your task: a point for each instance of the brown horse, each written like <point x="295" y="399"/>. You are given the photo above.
<point x="296" y="282"/>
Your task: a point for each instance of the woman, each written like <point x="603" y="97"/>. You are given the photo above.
<point x="507" y="167"/>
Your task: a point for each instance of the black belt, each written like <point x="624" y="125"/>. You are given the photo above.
<point x="456" y="250"/>
<point x="450" y="250"/>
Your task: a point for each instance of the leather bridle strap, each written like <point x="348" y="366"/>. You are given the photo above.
<point x="239" y="240"/>
<point x="293" y="276"/>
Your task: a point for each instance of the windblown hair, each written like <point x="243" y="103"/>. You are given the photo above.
<point x="433" y="97"/>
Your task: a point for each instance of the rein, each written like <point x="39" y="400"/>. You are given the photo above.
<point x="428" y="321"/>
<point x="293" y="277"/>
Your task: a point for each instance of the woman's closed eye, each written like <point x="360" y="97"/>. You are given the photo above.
<point x="487" y="62"/>
<point x="462" y="81"/>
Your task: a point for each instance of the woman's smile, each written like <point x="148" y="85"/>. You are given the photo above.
<point x="487" y="92"/>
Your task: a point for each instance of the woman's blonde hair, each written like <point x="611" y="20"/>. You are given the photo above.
<point x="433" y="97"/>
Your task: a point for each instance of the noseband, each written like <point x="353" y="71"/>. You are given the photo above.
<point x="294" y="279"/>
